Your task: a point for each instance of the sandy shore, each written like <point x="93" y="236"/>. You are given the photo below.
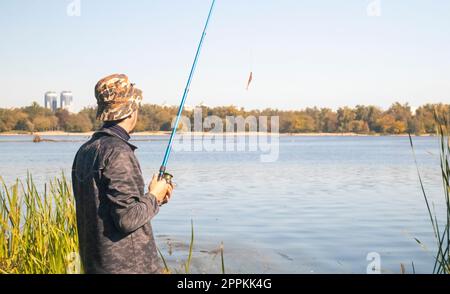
<point x="88" y="134"/>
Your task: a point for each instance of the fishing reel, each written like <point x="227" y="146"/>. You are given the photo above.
<point x="166" y="176"/>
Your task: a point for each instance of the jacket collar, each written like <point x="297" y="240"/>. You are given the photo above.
<point x="111" y="133"/>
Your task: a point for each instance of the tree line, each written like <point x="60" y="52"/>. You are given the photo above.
<point x="397" y="119"/>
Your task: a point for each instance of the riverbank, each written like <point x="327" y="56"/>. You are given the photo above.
<point x="164" y="133"/>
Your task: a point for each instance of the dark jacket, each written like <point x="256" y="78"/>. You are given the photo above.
<point x="113" y="213"/>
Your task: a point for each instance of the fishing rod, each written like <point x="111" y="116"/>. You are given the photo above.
<point x="162" y="170"/>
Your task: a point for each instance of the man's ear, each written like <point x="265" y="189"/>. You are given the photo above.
<point x="131" y="117"/>
<point x="134" y="118"/>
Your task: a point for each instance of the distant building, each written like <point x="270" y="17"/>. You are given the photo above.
<point x="51" y="100"/>
<point x="66" y="99"/>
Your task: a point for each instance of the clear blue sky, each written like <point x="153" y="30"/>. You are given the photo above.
<point x="302" y="53"/>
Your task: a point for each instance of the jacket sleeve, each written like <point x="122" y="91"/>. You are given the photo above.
<point x="130" y="208"/>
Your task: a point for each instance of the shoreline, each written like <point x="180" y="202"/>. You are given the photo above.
<point x="166" y="133"/>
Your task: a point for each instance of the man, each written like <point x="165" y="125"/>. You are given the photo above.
<point x="113" y="213"/>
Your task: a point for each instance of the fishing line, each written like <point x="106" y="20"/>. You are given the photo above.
<point x="250" y="77"/>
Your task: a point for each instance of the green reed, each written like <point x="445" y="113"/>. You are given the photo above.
<point x="38" y="230"/>
<point x="441" y="232"/>
<point x="187" y="263"/>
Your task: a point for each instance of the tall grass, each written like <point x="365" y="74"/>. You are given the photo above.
<point x="187" y="263"/>
<point x="441" y="227"/>
<point x="38" y="232"/>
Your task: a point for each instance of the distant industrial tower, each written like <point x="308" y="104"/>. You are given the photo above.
<point x="66" y="100"/>
<point x="51" y="100"/>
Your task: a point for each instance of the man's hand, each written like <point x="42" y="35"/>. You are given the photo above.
<point x="160" y="189"/>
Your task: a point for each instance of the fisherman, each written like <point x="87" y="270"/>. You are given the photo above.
<point x="113" y="212"/>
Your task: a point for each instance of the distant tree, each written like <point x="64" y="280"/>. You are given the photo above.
<point x="154" y="116"/>
<point x="224" y="111"/>
<point x="142" y="123"/>
<point x="388" y="124"/>
<point x="397" y="119"/>
<point x="305" y="123"/>
<point x="63" y="116"/>
<point x="384" y="123"/>
<point x="8" y="119"/>
<point x="370" y="114"/>
<point x="286" y="122"/>
<point x="2" y="127"/>
<point x="91" y="113"/>
<point x="345" y="115"/>
<point x="23" y="122"/>
<point x="166" y="126"/>
<point x="416" y="127"/>
<point x="399" y="127"/>
<point x="424" y="120"/>
<point x="45" y="123"/>
<point x="402" y="115"/>
<point x="268" y="112"/>
<point x="400" y="112"/>
<point x="296" y="122"/>
<point x="35" y="110"/>
<point x="328" y="121"/>
<point x="315" y="114"/>
<point x="78" y="123"/>
<point x="35" y="118"/>
<point x="359" y="126"/>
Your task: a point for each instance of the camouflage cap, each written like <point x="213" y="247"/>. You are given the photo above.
<point x="117" y="98"/>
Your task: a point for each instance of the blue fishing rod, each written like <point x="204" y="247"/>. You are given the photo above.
<point x="162" y="170"/>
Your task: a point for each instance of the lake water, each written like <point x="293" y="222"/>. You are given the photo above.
<point x="322" y="207"/>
